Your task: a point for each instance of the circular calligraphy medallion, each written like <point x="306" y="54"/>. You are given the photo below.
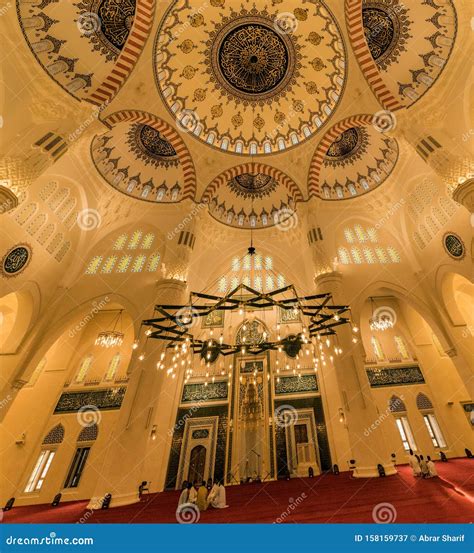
<point x="454" y="246"/>
<point x="16" y="260"/>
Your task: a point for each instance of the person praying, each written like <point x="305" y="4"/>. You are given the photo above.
<point x="184" y="497"/>
<point x="431" y="468"/>
<point x="201" y="500"/>
<point x="414" y="464"/>
<point x="424" y="467"/>
<point x="192" y="498"/>
<point x="219" y="498"/>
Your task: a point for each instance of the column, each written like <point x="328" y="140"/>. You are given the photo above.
<point x="122" y="469"/>
<point x="363" y="421"/>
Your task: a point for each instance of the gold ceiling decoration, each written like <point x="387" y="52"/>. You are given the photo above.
<point x="252" y="81"/>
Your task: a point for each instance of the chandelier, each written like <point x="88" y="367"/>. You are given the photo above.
<point x="382" y="318"/>
<point x="312" y="340"/>
<point x="111" y="338"/>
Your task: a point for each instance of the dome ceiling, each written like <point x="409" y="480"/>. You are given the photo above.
<point x="138" y="159"/>
<point x="409" y="42"/>
<point x="248" y="80"/>
<point x="357" y="161"/>
<point x="252" y="196"/>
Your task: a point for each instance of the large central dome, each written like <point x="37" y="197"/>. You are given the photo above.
<point x="252" y="59"/>
<point x="251" y="81"/>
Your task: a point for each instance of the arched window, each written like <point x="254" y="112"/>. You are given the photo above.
<point x="401" y="347"/>
<point x="424" y="404"/>
<point x="377" y="348"/>
<point x="147" y="241"/>
<point x="381" y="255"/>
<point x="66" y="208"/>
<point x="58" y="198"/>
<point x="46" y="233"/>
<point x="360" y="233"/>
<point x="47" y="190"/>
<point x="372" y="234"/>
<point x="36" y="223"/>
<point x="269" y="285"/>
<point x="138" y="263"/>
<point x="109" y="264"/>
<point x="343" y="256"/>
<point x="222" y="286"/>
<point x="50" y="442"/>
<point x="36" y="373"/>
<point x="349" y="235"/>
<point x="393" y="255"/>
<point x="94" y="265"/>
<point x="88" y="433"/>
<point x="356" y="255"/>
<point x="120" y="242"/>
<point x="113" y="367"/>
<point x="54" y="243"/>
<point x="62" y="251"/>
<point x="124" y="263"/>
<point x="396" y="405"/>
<point x="268" y="263"/>
<point x="84" y="367"/>
<point x="25" y="213"/>
<point x="135" y="240"/>
<point x="153" y="262"/>
<point x="369" y="255"/>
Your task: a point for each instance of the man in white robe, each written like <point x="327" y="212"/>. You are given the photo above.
<point x="192" y="498"/>
<point x="432" y="472"/>
<point x="414" y="464"/>
<point x="219" y="501"/>
<point x="184" y="497"/>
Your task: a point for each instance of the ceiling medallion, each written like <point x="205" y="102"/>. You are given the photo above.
<point x="348" y="147"/>
<point x="107" y="24"/>
<point x="149" y="145"/>
<point x="249" y="59"/>
<point x="249" y="185"/>
<point x="386" y="29"/>
<point x="243" y="83"/>
<point x="16" y="260"/>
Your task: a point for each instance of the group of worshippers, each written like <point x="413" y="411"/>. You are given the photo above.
<point x="422" y="468"/>
<point x="203" y="495"/>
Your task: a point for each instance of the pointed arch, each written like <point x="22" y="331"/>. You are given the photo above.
<point x="55" y="435"/>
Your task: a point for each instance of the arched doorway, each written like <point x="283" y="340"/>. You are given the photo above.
<point x="197" y="464"/>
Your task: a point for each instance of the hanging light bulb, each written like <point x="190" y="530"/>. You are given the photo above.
<point x="135" y="345"/>
<point x="355" y="328"/>
<point x="141" y="357"/>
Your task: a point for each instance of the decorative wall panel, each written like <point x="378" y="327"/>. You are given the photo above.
<point x="396" y="376"/>
<point x="108" y="399"/>
<point x="214" y="391"/>
<point x="296" y="384"/>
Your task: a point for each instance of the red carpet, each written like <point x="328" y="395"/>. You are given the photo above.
<point x="328" y="498"/>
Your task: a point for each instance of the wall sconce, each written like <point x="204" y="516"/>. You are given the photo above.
<point x="153" y="432"/>
<point x="342" y="417"/>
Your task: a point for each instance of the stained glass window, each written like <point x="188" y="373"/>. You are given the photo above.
<point x="356" y="255"/>
<point x="109" y="264"/>
<point x="153" y="262"/>
<point x="222" y="285"/>
<point x="344" y="256"/>
<point x="147" y="241"/>
<point x="349" y="235"/>
<point x="124" y="263"/>
<point x="94" y="265"/>
<point x="84" y="367"/>
<point x="393" y="255"/>
<point x="401" y="347"/>
<point x="138" y="263"/>
<point x="135" y="240"/>
<point x="372" y="234"/>
<point x="377" y="348"/>
<point x="269" y="285"/>
<point x="119" y="244"/>
<point x="268" y="263"/>
<point x="369" y="255"/>
<point x="360" y="233"/>
<point x="113" y="367"/>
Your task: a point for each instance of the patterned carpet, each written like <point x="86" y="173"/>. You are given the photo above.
<point x="326" y="498"/>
